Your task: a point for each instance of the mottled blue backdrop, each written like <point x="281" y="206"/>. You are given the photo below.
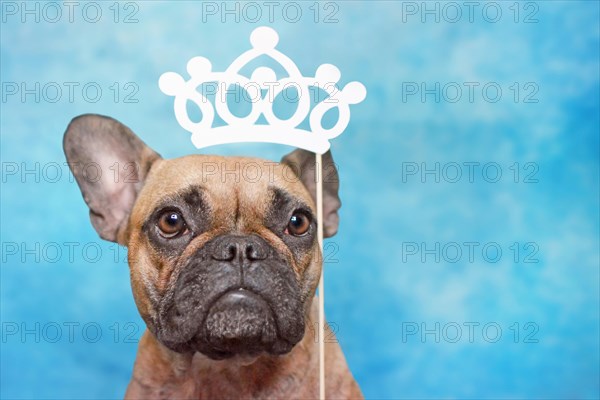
<point x="467" y="261"/>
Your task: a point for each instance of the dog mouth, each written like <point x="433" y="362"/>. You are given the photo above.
<point x="239" y="322"/>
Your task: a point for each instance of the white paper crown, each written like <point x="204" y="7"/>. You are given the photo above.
<point x="266" y="86"/>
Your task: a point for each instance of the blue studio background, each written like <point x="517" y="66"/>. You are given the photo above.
<point x="417" y="313"/>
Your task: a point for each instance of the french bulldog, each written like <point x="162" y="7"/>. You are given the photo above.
<point x="224" y="264"/>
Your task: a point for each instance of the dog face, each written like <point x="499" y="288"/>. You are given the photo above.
<point x="223" y="265"/>
<point x="223" y="251"/>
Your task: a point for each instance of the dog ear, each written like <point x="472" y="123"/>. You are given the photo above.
<point x="303" y="163"/>
<point x="110" y="164"/>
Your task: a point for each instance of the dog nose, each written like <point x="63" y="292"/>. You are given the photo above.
<point x="240" y="248"/>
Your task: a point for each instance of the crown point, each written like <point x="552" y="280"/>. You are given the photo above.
<point x="198" y="66"/>
<point x="264" y="38"/>
<point x="170" y="83"/>
<point x="328" y="73"/>
<point x="354" y="92"/>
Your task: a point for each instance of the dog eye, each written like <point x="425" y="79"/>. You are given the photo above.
<point x="299" y="224"/>
<point x="170" y="224"/>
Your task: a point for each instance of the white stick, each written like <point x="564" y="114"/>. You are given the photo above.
<point x="318" y="176"/>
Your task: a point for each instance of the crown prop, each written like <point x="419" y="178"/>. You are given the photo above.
<point x="263" y="80"/>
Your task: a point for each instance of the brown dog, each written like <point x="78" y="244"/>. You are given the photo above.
<point x="224" y="264"/>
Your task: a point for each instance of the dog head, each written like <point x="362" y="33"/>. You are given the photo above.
<point x="223" y="251"/>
